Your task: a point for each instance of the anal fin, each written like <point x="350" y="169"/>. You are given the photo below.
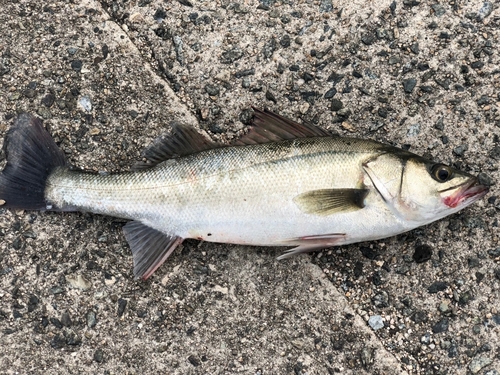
<point x="150" y="248"/>
<point x="307" y="244"/>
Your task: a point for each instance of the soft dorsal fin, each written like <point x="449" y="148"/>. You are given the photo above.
<point x="270" y="127"/>
<point x="184" y="140"/>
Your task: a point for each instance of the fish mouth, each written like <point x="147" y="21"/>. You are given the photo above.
<point x="466" y="194"/>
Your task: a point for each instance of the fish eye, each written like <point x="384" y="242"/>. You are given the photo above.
<point x="441" y="173"/>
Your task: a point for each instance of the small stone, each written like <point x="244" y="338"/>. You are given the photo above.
<point x="66" y="320"/>
<point x="270" y="96"/>
<point x="194" y="361"/>
<point x="85" y="103"/>
<point x="76" y="65"/>
<point x="477" y="65"/>
<point x="246" y="116"/>
<point x="460" y="150"/>
<point x="478" y="363"/>
<point x="212" y="90"/>
<point x="91" y="318"/>
<point x="330" y="93"/>
<point x="485" y="10"/>
<point x="230" y="56"/>
<point x="285" y="41"/>
<point x="413" y="130"/>
<point x="304" y="107"/>
<point x="381" y="299"/>
<point x="48" y="100"/>
<point x="325" y="6"/>
<point x="437" y="286"/>
<point x="439" y="125"/>
<point x="58" y="342"/>
<point x="444" y="308"/>
<point x="99" y="356"/>
<point x="422" y="253"/>
<point x="409" y="84"/>
<point x="336" y="105"/>
<point x="79" y="282"/>
<point x="441" y="326"/>
<point x="376" y="322"/>
<point x="122" y="304"/>
<point x="269" y="48"/>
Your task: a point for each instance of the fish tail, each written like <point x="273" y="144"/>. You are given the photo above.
<point x="31" y="155"/>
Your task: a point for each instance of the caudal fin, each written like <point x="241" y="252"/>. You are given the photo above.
<point x="31" y="155"/>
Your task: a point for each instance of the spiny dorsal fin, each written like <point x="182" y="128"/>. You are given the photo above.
<point x="325" y="202"/>
<point x="185" y="140"/>
<point x="270" y="127"/>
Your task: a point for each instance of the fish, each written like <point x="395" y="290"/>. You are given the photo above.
<point x="283" y="183"/>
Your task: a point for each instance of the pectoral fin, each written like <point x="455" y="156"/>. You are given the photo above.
<point x="312" y="243"/>
<point x="150" y="248"/>
<point x="325" y="202"/>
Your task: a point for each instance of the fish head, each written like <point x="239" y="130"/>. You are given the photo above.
<point x="430" y="191"/>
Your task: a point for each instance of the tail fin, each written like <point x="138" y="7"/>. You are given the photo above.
<point x="31" y="155"/>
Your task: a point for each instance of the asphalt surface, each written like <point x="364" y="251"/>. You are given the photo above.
<point x="109" y="77"/>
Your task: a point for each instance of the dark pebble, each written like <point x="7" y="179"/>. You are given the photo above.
<point x="460" y="150"/>
<point x="381" y="299"/>
<point x="465" y="297"/>
<point x="495" y="153"/>
<point x="479" y="276"/>
<point x="356" y="74"/>
<point x="335" y="78"/>
<point x="437" y="286"/>
<point x="230" y="56"/>
<point x="419" y="316"/>
<point x="369" y="39"/>
<point x="492" y="199"/>
<point x="122" y="304"/>
<point x="269" y="48"/>
<point x="483" y="100"/>
<point x="56" y="322"/>
<point x="66" y="320"/>
<point x="160" y="14"/>
<point x="422" y="253"/>
<point x="477" y="65"/>
<point x="72" y="339"/>
<point x="409" y="84"/>
<point x="48" y="100"/>
<point x="497" y="273"/>
<point x="441" y="326"/>
<point x="382" y="112"/>
<point x="33" y="303"/>
<point x="270" y="96"/>
<point x="212" y="90"/>
<point x="307" y="77"/>
<point x="473" y="262"/>
<point x="194" y="361"/>
<point x="246" y="116"/>
<point x="453" y="350"/>
<point x="58" y="342"/>
<point x="377" y="278"/>
<point x="368" y="252"/>
<point x="336" y="105"/>
<point x="244" y="73"/>
<point x="99" y="356"/>
<point x="285" y="41"/>
<point x="358" y="269"/>
<point x="495" y="253"/>
<point x="439" y="125"/>
<point x="485" y="10"/>
<point x="484" y="179"/>
<point x="326" y="6"/>
<point x="294" y="68"/>
<point x="29" y="93"/>
<point x="330" y="93"/>
<point x="76" y="65"/>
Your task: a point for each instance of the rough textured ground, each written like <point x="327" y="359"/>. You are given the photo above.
<point x="108" y="77"/>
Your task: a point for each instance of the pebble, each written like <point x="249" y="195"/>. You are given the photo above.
<point x="441" y="326"/>
<point x="409" y="84"/>
<point x="478" y="363"/>
<point x="376" y="322"/>
<point x="336" y="105"/>
<point x="85" y="103"/>
<point x="212" y="90"/>
<point x="485" y="10"/>
<point x="413" y="130"/>
<point x="422" y="253"/>
<point x="79" y="282"/>
<point x="77" y="65"/>
<point x="91" y="318"/>
<point x="230" y="56"/>
<point x="98" y="355"/>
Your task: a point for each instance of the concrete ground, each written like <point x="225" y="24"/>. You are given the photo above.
<point x="108" y="77"/>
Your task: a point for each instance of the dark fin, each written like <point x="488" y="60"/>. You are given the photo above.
<point x="150" y="248"/>
<point x="185" y="140"/>
<point x="330" y="201"/>
<point x="270" y="127"/>
<point x="312" y="243"/>
<point x="31" y="156"/>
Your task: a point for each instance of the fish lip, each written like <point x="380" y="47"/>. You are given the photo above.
<point x="468" y="193"/>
